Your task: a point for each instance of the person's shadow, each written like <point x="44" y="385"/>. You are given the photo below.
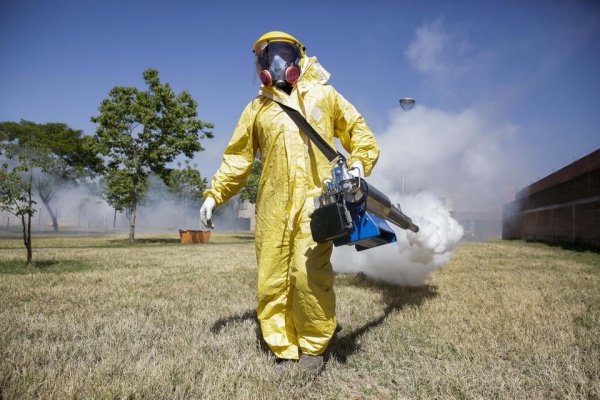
<point x="248" y="315"/>
<point x="343" y="344"/>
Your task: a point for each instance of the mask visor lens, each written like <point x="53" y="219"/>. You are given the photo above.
<point x="285" y="51"/>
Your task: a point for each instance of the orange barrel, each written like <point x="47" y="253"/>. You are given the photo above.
<point x="192" y="236"/>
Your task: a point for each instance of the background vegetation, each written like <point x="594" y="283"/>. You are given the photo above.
<point x="96" y="317"/>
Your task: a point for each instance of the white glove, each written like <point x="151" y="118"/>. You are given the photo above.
<point x="206" y="212"/>
<point x="357" y="170"/>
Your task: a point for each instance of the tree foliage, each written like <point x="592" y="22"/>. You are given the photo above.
<point x="16" y="180"/>
<point x="56" y="154"/>
<point x="250" y="191"/>
<point x="188" y="185"/>
<point x="141" y="132"/>
<point x="117" y="190"/>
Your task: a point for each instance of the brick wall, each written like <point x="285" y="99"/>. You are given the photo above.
<point x="564" y="206"/>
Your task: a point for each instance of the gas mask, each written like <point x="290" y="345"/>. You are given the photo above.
<point x="278" y="63"/>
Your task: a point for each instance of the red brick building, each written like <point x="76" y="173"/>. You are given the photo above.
<point x="562" y="207"/>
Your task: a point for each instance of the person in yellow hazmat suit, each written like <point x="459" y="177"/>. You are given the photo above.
<point x="296" y="302"/>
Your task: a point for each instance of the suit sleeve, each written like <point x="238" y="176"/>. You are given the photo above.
<point x="237" y="159"/>
<point x="354" y="134"/>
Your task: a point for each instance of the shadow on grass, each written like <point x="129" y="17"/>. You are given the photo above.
<point x="220" y="238"/>
<point x="43" y="266"/>
<point x="247" y="238"/>
<point x="215" y="240"/>
<point x="570" y="246"/>
<point x="248" y="315"/>
<point x="341" y="347"/>
<point x="143" y="241"/>
<point x="395" y="297"/>
<point x="45" y="263"/>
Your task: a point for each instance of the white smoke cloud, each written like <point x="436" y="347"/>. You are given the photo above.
<point x="446" y="56"/>
<point x="78" y="209"/>
<point x="462" y="157"/>
<point x="447" y="158"/>
<point x="414" y="256"/>
<point x="426" y="51"/>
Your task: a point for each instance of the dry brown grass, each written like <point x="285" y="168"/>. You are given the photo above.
<point x="96" y="318"/>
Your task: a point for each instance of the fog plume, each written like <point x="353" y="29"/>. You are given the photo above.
<point x="80" y="209"/>
<point x="434" y="163"/>
<point x="414" y="256"/>
<point x="458" y="156"/>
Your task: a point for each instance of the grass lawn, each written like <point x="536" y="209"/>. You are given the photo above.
<point x="95" y="317"/>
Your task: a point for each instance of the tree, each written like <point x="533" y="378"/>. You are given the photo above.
<point x="64" y="153"/>
<point x="250" y="191"/>
<point x="117" y="191"/>
<point x="15" y="193"/>
<point x="140" y="132"/>
<point x="188" y="185"/>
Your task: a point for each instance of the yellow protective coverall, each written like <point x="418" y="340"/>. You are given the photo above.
<point x="296" y="302"/>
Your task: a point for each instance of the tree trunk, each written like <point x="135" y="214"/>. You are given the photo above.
<point x="54" y="218"/>
<point x="26" y="241"/>
<point x="133" y="214"/>
<point x="27" y="222"/>
<point x="115" y="221"/>
<point x="29" y="250"/>
<point x="46" y="201"/>
<point x="132" y="224"/>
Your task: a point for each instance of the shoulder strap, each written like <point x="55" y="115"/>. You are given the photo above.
<point x="311" y="133"/>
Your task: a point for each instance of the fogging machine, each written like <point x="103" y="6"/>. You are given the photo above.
<point x="349" y="211"/>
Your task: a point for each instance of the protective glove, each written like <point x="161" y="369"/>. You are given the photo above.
<point x="357" y="170"/>
<point x="206" y="212"/>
